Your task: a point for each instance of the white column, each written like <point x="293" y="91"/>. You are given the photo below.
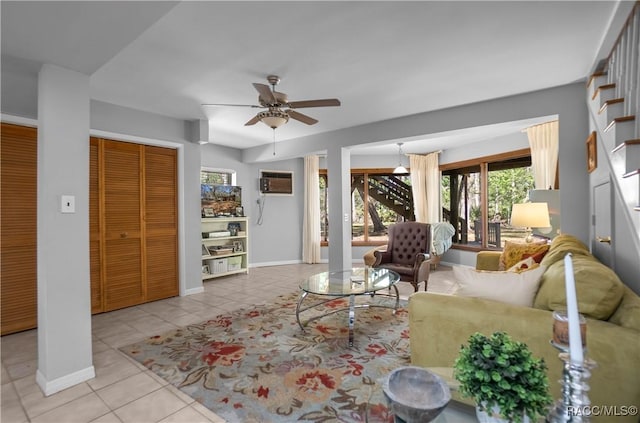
<point x="339" y="176"/>
<point x="64" y="298"/>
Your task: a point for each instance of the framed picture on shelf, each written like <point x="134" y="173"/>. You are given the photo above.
<point x="233" y="228"/>
<point x="208" y="212"/>
<point x="205" y="250"/>
<point x="238" y="246"/>
<point x="240" y="211"/>
<point x="592" y="153"/>
<point x="206" y="270"/>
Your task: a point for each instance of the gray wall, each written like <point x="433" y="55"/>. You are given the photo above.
<point x="19" y="87"/>
<point x="278" y="240"/>
<point x="567" y="102"/>
<point x="64" y="300"/>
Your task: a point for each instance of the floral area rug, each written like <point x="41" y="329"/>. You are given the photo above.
<point x="256" y="364"/>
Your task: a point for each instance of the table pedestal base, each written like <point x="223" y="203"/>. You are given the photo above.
<point x="351" y="309"/>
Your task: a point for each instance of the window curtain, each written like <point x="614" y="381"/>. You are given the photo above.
<point x="543" y="140"/>
<point x="425" y="187"/>
<point x="311" y="221"/>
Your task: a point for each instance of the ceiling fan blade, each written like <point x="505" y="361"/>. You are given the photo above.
<point x="231" y="105"/>
<point x="265" y="93"/>
<point x="253" y="121"/>
<point x="300" y="117"/>
<point x="327" y="102"/>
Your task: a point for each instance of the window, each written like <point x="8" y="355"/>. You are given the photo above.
<point x="477" y="196"/>
<point x="379" y="198"/>
<point x="324" y="208"/>
<point x="217" y="176"/>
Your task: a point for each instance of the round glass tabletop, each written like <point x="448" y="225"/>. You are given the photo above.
<point x="358" y="280"/>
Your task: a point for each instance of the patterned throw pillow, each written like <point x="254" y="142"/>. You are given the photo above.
<point x="514" y="252"/>
<point x="524" y="265"/>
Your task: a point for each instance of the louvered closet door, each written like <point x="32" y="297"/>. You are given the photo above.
<point x="94" y="225"/>
<point x="161" y="222"/>
<point x="121" y="181"/>
<point x="18" y="240"/>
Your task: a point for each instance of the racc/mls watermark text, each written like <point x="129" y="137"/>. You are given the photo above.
<point x="603" y="410"/>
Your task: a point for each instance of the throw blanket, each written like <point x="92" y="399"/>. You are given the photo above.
<point x="441" y="234"/>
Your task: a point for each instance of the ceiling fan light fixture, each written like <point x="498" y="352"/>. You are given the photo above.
<point x="400" y="168"/>
<point x="273" y="118"/>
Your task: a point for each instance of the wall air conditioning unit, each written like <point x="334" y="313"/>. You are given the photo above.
<point x="276" y="182"/>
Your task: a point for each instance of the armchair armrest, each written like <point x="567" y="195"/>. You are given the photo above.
<point x="421" y="268"/>
<point x="381" y="257"/>
<point x="488" y="260"/>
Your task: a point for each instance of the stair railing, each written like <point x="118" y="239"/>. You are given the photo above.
<point x="623" y="66"/>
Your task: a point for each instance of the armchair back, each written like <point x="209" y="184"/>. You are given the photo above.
<point x="407" y="239"/>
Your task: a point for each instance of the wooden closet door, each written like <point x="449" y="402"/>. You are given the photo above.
<point x="122" y="231"/>
<point x="94" y="226"/>
<point x="18" y="239"/>
<point x="161" y="222"/>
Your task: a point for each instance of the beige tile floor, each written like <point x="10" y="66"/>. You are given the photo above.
<point x="123" y="391"/>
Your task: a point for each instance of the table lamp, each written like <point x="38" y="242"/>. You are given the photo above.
<point x="530" y="215"/>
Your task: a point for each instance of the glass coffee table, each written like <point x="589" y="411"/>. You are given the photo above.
<point x="347" y="283"/>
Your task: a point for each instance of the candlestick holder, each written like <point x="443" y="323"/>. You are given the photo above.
<point x="572" y="407"/>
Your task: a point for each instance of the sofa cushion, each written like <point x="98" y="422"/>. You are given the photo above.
<point x="563" y="244"/>
<point x="507" y="287"/>
<point x="514" y="252"/>
<point x="627" y="314"/>
<point x="598" y="289"/>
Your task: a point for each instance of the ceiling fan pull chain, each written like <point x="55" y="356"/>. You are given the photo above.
<point x="274" y="141"/>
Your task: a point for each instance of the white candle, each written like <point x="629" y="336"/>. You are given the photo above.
<point x="575" y="340"/>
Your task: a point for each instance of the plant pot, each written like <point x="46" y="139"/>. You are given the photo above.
<point x="493" y="416"/>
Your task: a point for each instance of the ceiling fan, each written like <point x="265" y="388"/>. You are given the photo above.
<point x="275" y="102"/>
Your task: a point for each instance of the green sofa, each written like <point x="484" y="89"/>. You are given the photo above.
<point x="440" y="324"/>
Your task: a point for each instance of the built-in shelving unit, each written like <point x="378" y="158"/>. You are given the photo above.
<point x="225" y="243"/>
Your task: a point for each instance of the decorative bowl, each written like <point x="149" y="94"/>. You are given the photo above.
<point x="415" y="395"/>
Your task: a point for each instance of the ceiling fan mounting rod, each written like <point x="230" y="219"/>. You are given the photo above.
<point x="273" y="80"/>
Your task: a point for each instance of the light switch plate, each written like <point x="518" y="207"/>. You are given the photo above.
<point x="68" y="204"/>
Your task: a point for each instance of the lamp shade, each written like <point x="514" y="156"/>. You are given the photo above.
<point x="530" y="215"/>
<point x="273" y="118"/>
<point x="400" y="169"/>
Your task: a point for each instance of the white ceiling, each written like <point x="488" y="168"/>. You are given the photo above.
<point x="381" y="59"/>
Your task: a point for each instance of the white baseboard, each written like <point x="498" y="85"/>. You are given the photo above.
<point x="275" y="263"/>
<point x="192" y="291"/>
<point x="282" y="263"/>
<point x="50" y="387"/>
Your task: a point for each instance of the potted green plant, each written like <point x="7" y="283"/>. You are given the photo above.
<point x="503" y="378"/>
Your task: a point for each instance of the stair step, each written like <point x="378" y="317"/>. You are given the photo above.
<point x="604" y="93"/>
<point x="610" y="110"/>
<point x="610" y="103"/>
<point x="627" y="143"/>
<point x="626" y="157"/>
<point x="596" y="80"/>
<point x="618" y="131"/>
<point x="619" y="120"/>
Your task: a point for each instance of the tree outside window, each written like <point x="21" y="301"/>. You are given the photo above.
<point x="213" y="177"/>
<point x="480" y="207"/>
<point x="379" y="198"/>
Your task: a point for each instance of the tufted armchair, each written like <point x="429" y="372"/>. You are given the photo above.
<point x="407" y="252"/>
